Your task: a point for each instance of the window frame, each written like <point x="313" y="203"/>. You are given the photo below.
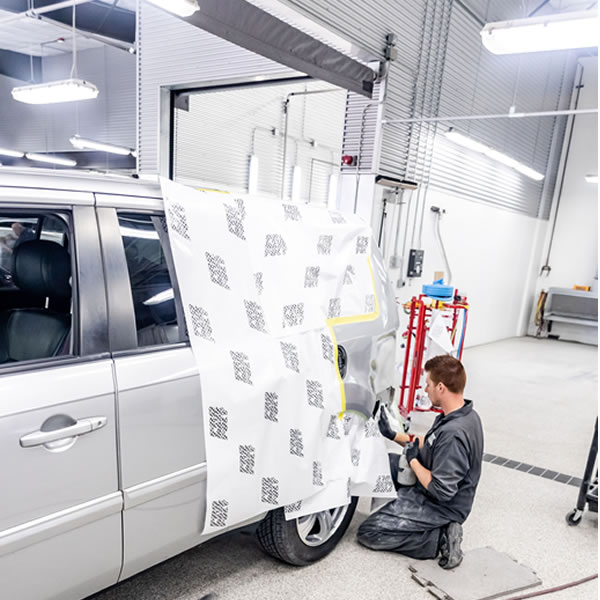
<point x="88" y="315"/>
<point x="122" y="324"/>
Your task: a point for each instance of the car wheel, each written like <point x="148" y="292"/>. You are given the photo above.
<point x="307" y="539"/>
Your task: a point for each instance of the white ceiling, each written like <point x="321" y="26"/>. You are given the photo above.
<point x="38" y="37"/>
<point x="32" y="36"/>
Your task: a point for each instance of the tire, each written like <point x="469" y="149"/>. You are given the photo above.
<point x="282" y="539"/>
<point x="573" y="517"/>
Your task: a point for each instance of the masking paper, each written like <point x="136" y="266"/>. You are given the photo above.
<point x="262" y="285"/>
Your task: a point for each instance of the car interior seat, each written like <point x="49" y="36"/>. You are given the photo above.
<point x="41" y="268"/>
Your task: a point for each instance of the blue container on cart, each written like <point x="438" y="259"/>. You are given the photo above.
<point x="438" y="291"/>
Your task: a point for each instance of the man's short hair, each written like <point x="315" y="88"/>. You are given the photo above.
<point x="449" y="371"/>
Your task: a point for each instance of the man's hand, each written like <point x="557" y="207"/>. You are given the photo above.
<point x="411" y="451"/>
<point x="385" y="427"/>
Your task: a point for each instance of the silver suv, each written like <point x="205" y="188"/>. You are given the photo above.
<point x="101" y="433"/>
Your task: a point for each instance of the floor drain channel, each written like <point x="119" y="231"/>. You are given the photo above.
<point x="532" y="469"/>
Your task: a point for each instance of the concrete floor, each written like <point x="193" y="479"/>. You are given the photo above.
<point x="538" y="402"/>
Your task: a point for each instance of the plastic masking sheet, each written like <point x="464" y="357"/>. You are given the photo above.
<point x="262" y="285"/>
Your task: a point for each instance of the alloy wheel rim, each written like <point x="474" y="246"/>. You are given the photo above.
<point x="318" y="528"/>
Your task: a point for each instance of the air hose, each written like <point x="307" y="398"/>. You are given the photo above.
<point x="558" y="588"/>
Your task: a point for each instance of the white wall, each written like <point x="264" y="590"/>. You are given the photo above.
<point x="488" y="249"/>
<point x="574" y="255"/>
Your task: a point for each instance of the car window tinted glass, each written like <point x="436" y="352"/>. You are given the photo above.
<point x="14" y="230"/>
<point x="35" y="310"/>
<point x="151" y="288"/>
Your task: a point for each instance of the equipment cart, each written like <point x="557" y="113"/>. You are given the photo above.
<point x="588" y="491"/>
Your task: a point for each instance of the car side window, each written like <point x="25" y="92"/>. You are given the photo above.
<point x="36" y="300"/>
<point x="144" y="240"/>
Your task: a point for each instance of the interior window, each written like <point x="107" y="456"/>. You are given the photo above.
<point x="35" y="287"/>
<point x="144" y="237"/>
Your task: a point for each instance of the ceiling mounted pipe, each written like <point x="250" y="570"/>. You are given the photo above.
<point x="36" y="12"/>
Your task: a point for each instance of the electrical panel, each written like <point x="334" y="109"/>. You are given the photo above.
<point x="415" y="263"/>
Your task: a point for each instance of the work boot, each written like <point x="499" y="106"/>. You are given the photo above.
<point x="450" y="550"/>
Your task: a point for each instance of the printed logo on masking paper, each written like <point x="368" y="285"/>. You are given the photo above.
<point x="235" y="223"/>
<point x="290" y="356"/>
<point x="271" y="407"/>
<point x="275" y="245"/>
<point x="293" y="315"/>
<point x="256" y="318"/>
<point x="333" y="431"/>
<point x="362" y="244"/>
<point x="241" y="367"/>
<point x="270" y="490"/>
<point x="311" y="277"/>
<point x="383" y="485"/>
<point x="314" y="393"/>
<point x="179" y="222"/>
<point x="218" y="422"/>
<point x="217" y="270"/>
<point x="324" y="244"/>
<point x="291" y="212"/>
<point x="247" y="459"/>
<point x="201" y="323"/>
<point x="296" y="444"/>
<point x="218" y="513"/>
<point x="327" y="348"/>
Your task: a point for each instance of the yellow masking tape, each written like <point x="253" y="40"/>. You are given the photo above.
<point x="331" y="323"/>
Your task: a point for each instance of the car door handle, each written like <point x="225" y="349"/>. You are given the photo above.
<point x="81" y="427"/>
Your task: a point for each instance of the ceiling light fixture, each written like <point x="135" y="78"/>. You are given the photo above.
<point x="588" y="178"/>
<point x="66" y="90"/>
<point x="467" y="142"/>
<point x="86" y="144"/>
<point x="181" y="8"/>
<point x="13" y="153"/>
<point x="53" y="160"/>
<point x="537" y="34"/>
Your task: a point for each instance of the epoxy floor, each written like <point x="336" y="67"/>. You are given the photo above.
<point x="538" y="402"/>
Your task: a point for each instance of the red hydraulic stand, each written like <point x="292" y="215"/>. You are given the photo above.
<point x="418" y="325"/>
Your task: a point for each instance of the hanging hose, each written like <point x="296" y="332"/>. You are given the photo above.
<point x="438" y="213"/>
<point x="539" y="312"/>
<point x="558" y="588"/>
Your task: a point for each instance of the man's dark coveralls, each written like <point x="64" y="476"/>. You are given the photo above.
<point x="412" y="524"/>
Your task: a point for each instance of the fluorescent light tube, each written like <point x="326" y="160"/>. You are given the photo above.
<point x="296" y="184"/>
<point x="332" y="192"/>
<point x="471" y="144"/>
<point x="181" y="8"/>
<point x="537" y="34"/>
<point x="53" y="160"/>
<point x="85" y="144"/>
<point x="253" y="175"/>
<point x="68" y="90"/>
<point x="161" y="297"/>
<point x="13" y="153"/>
<point x="588" y="178"/>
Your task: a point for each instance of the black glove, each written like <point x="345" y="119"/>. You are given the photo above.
<point x="411" y="451"/>
<point x="385" y="427"/>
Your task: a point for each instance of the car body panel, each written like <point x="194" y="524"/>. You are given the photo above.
<point x="145" y="470"/>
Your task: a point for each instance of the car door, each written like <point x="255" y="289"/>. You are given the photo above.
<point x="60" y="504"/>
<point x="162" y="456"/>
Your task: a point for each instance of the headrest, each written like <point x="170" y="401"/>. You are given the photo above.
<point x="43" y="268"/>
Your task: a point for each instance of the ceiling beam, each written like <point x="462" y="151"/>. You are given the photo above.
<point x="19" y="66"/>
<point x="93" y="17"/>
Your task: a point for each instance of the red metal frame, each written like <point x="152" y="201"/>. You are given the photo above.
<point x="420" y="311"/>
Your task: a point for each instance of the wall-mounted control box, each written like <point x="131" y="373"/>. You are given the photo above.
<point x="415" y="263"/>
